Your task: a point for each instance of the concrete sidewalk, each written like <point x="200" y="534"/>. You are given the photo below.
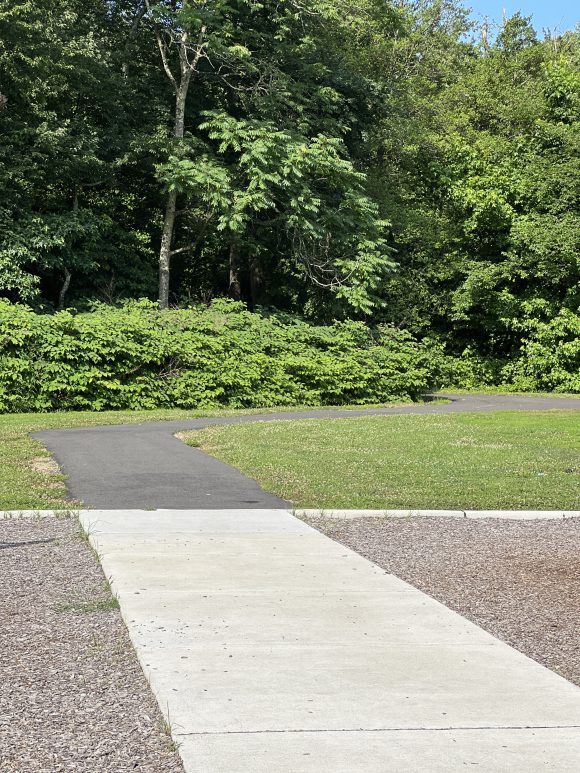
<point x="272" y="648"/>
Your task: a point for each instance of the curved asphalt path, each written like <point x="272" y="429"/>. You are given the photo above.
<point x="143" y="466"/>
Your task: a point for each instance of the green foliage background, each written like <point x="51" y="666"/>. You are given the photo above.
<point x="378" y="162"/>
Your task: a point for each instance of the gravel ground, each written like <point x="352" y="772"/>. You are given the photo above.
<point x="520" y="580"/>
<point x="72" y="694"/>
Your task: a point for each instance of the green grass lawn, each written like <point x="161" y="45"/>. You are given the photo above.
<point x="511" y="460"/>
<point x="26" y="481"/>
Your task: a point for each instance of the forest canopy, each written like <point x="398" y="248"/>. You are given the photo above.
<point x="390" y="163"/>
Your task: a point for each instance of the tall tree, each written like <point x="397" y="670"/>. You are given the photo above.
<point x="264" y="63"/>
<point x="181" y="33"/>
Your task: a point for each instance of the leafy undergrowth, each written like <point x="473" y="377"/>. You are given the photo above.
<point x="137" y="357"/>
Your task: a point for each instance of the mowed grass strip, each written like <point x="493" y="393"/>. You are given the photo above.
<point x="500" y="460"/>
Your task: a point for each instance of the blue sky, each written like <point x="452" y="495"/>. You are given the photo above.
<point x="563" y="14"/>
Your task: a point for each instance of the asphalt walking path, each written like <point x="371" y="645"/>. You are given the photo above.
<point x="144" y="466"/>
<point x="272" y="648"/>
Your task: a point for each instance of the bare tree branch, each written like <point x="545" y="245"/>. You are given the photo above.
<point x="186" y="248"/>
<point x="139" y="14"/>
<point x="162" y="49"/>
<point x="192" y="245"/>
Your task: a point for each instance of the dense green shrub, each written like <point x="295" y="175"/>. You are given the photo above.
<point x="548" y="361"/>
<point x="469" y="371"/>
<point x="550" y="358"/>
<point x="139" y="357"/>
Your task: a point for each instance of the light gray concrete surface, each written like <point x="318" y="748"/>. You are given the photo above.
<point x="511" y="515"/>
<point x="272" y="648"/>
<point x="395" y="751"/>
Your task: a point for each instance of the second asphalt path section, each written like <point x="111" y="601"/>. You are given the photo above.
<point x="145" y="467"/>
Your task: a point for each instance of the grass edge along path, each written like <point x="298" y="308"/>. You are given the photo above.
<point x="497" y="460"/>
<point x="31" y="480"/>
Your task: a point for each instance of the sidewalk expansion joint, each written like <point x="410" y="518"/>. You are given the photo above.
<point x="380" y="729"/>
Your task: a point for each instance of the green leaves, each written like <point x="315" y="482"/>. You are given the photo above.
<point x="68" y="113"/>
<point x="323" y="142"/>
<point x="49" y="241"/>
<point x="310" y="192"/>
<point x="562" y="90"/>
<point x="507" y="195"/>
<point x="550" y="358"/>
<point x="138" y="357"/>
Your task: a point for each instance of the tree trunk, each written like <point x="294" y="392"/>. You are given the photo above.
<point x="165" y="251"/>
<point x="67" y="274"/>
<point x="180" y="105"/>
<point x="235" y="290"/>
<point x="180" y="83"/>
<point x="171" y="204"/>
<point x="255" y="282"/>
<point x="63" y="289"/>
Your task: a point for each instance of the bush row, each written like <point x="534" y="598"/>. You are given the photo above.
<point x="137" y="357"/>
<point x="550" y="358"/>
<point x="548" y="361"/>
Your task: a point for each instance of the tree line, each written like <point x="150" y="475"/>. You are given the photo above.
<point x="379" y="161"/>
